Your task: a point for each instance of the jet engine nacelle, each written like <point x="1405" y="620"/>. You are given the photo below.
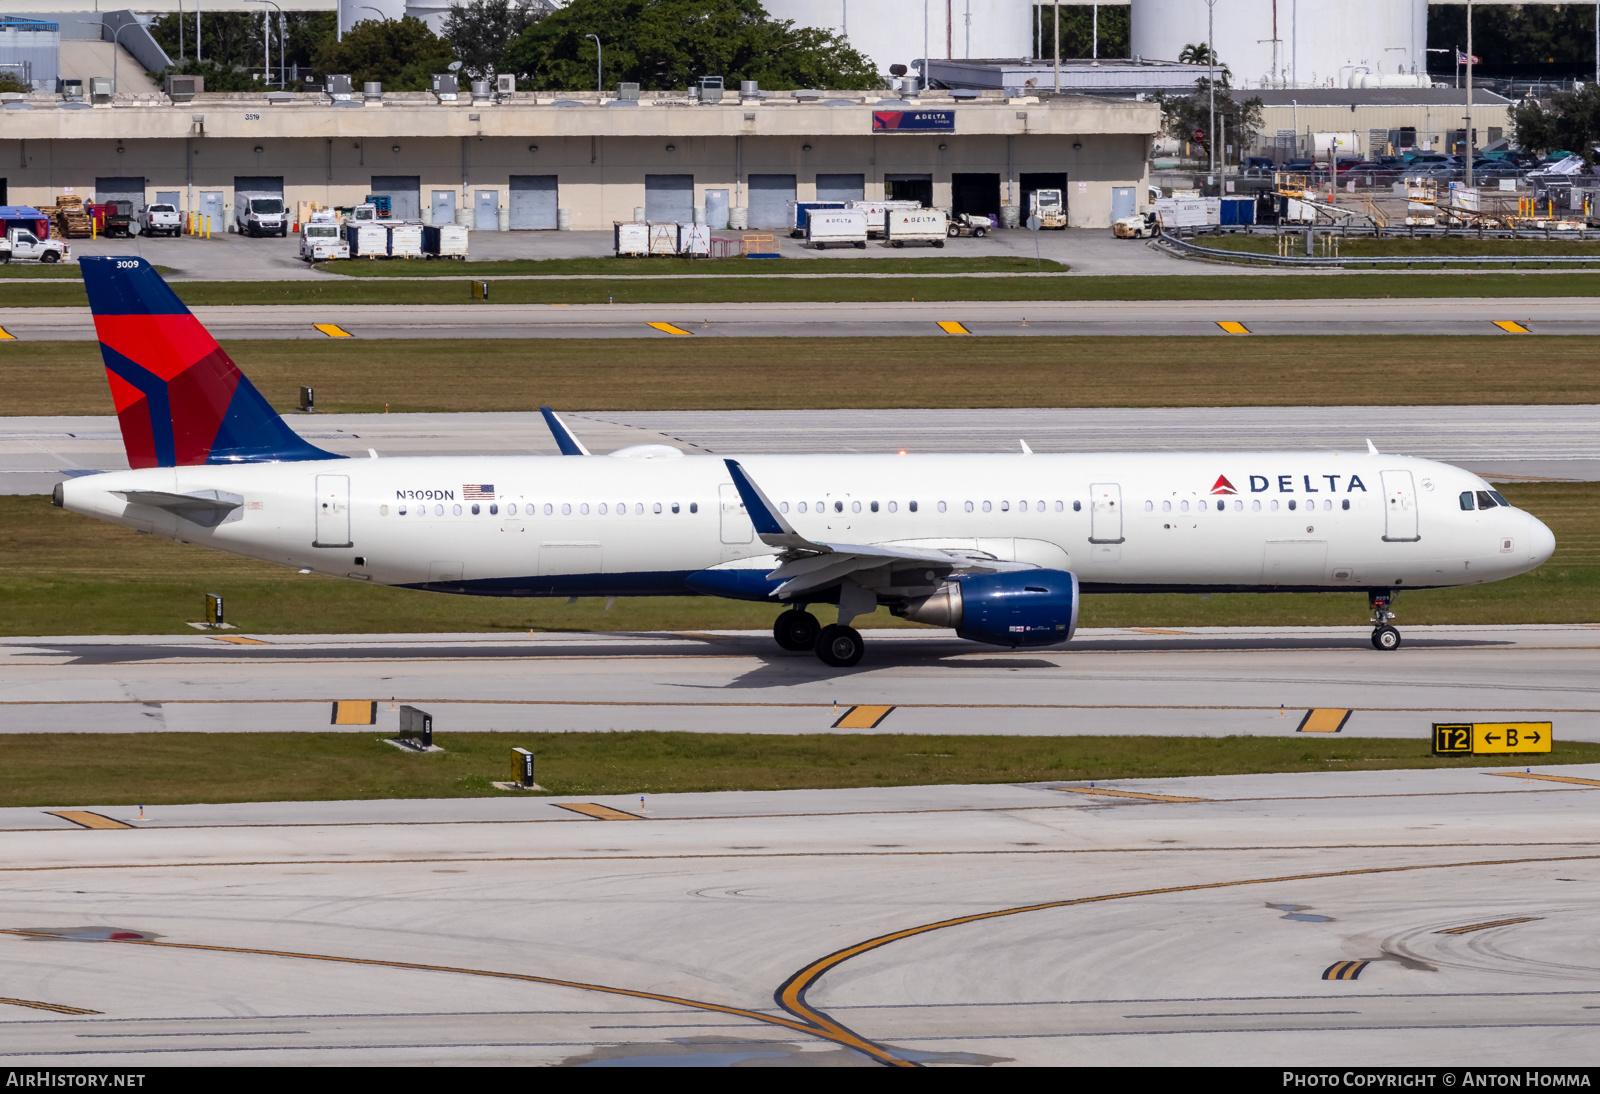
<point x="1018" y="608"/>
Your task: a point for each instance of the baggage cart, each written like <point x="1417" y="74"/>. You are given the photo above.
<point x="444" y="241"/>
<point x="917" y="226"/>
<point x="842" y="227"/>
<point x="631" y="237"/>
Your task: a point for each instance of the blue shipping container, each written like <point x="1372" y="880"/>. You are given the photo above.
<point x="1238" y="211"/>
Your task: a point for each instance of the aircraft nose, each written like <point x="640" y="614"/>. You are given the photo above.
<point x="1541" y="541"/>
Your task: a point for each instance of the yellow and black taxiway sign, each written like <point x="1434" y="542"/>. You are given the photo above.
<point x="1486" y="738"/>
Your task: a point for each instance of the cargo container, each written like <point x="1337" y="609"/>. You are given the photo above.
<point x="631" y="237"/>
<point x="1237" y="211"/>
<point x="800" y="212"/>
<point x="664" y="238"/>
<point x="694" y="239"/>
<point x="405" y="240"/>
<point x="444" y="241"/>
<point x="367" y="240"/>
<point x="877" y="211"/>
<point x="916" y="226"/>
<point x="844" y="227"/>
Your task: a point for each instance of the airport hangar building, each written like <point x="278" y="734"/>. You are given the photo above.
<point x="581" y="160"/>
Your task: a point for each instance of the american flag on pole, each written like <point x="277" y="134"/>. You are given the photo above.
<point x="481" y="491"/>
<point x="1461" y="58"/>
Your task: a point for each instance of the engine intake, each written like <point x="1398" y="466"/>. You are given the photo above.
<point x="1019" y="608"/>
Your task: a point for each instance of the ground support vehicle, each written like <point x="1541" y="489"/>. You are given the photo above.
<point x="405" y="240"/>
<point x="917" y="226"/>
<point x="115" y="219"/>
<point x="843" y="227"/>
<point x="964" y="224"/>
<point x="161" y="219"/>
<point x="367" y="240"/>
<point x="1139" y="226"/>
<point x="22" y="245"/>
<point x="1050" y="207"/>
<point x="321" y="240"/>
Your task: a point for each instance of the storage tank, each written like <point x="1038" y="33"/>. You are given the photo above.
<point x="1295" y="43"/>
<point x="891" y="32"/>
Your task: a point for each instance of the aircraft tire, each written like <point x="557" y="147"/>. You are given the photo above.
<point x="839" y="646"/>
<point x="796" y="630"/>
<point x="1385" y="638"/>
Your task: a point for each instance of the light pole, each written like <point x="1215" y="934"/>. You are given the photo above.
<point x="599" y="65"/>
<point x="266" y="43"/>
<point x="114" y="55"/>
<point x="1211" y="76"/>
<point x="1467" y="176"/>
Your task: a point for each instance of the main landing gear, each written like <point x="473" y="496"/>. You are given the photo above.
<point x="1384" y="636"/>
<point x="799" y="631"/>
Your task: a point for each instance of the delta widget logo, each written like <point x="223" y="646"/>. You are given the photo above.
<point x="1223" y="486"/>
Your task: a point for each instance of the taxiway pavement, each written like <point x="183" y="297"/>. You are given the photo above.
<point x="1391" y="918"/>
<point x="1161" y="682"/>
<point x="1501" y="442"/>
<point x="897" y="319"/>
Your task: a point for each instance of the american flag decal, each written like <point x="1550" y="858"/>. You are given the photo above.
<point x="483" y="491"/>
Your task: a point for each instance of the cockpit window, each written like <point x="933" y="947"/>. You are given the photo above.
<point x="1497" y="496"/>
<point x="1466" y="500"/>
<point x="1485" y="501"/>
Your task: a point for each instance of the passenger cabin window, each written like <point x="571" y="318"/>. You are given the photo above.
<point x="1149" y="506"/>
<point x="1484" y="500"/>
<point x="1345" y="505"/>
<point x="1466" y="501"/>
<point x="913" y="506"/>
<point x="783" y="506"/>
<point x="1076" y="506"/>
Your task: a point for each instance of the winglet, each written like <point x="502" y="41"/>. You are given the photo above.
<point x="1372" y="449"/>
<point x="770" y="525"/>
<point x="569" y="445"/>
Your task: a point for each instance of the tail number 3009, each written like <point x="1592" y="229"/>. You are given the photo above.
<point x="128" y="265"/>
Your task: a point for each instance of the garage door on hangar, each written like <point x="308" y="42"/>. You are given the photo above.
<point x="669" y="197"/>
<point x="770" y="196"/>
<point x="120" y="188"/>
<point x="534" y="199"/>
<point x="840" y="188"/>
<point x="404" y="193"/>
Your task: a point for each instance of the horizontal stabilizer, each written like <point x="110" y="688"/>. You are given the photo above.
<point x="207" y="508"/>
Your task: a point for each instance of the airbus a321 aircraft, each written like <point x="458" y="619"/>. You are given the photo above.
<point x="998" y="547"/>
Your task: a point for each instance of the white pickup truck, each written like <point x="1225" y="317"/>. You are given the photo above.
<point x="24" y="246"/>
<point x="160" y="219"/>
<point x="321" y="240"/>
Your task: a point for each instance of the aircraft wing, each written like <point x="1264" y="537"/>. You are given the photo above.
<point x="805" y="564"/>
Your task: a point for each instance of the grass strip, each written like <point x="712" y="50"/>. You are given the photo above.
<point x="667" y="266"/>
<point x="613" y="374"/>
<point x="732" y="290"/>
<point x="178" y="768"/>
<point x="67" y="574"/>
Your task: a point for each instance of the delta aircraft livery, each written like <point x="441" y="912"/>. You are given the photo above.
<point x="998" y="547"/>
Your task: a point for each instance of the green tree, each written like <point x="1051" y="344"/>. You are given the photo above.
<point x="480" y="30"/>
<point x="1198" y="53"/>
<point x="219" y="77"/>
<point x="1185" y="115"/>
<point x="664" y="44"/>
<point x="11" y="82"/>
<point x="232" y="49"/>
<point x="1078" y="31"/>
<point x="1521" y="38"/>
<point x="402" y="54"/>
<point x="1571" y="122"/>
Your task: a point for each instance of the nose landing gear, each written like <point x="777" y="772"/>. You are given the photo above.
<point x="1384" y="636"/>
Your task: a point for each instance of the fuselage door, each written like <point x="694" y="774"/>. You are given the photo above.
<point x="333" y="511"/>
<point x="1400" y="502"/>
<point x="736" y="526"/>
<point x="1105" y="513"/>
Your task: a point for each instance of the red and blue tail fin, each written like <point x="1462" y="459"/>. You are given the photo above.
<point x="180" y="399"/>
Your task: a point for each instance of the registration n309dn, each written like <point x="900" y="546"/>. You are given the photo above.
<point x="998" y="547"/>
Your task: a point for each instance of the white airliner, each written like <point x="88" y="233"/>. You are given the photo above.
<point x="998" y="547"/>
